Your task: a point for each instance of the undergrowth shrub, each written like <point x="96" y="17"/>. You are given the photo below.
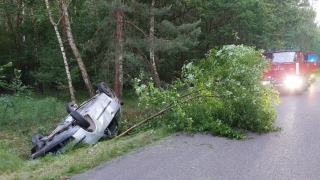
<point x="221" y="94"/>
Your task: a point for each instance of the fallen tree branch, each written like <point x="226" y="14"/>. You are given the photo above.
<point x="170" y="106"/>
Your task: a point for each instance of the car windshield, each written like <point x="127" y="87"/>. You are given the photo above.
<point x="283" y="57"/>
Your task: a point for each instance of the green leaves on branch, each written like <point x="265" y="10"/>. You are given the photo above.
<point x="220" y="94"/>
<point x="3" y="67"/>
<point x="16" y="84"/>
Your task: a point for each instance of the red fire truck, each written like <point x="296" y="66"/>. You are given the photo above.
<point x="291" y="70"/>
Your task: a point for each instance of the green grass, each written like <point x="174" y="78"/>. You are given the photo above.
<point x="78" y="160"/>
<point x="21" y="117"/>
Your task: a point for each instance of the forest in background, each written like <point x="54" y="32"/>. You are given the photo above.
<point x="60" y="47"/>
<point x="117" y="40"/>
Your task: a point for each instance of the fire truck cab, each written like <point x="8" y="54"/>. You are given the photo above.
<point x="291" y="70"/>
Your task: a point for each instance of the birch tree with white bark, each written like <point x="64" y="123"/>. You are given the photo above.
<point x="75" y="50"/>
<point x="62" y="49"/>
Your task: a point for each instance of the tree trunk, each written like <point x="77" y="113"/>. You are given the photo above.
<point x="118" y="83"/>
<point x="152" y="54"/>
<point x="73" y="98"/>
<point x="63" y="24"/>
<point x="75" y="50"/>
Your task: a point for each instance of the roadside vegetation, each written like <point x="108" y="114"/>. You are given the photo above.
<point x="54" y="52"/>
<point x="220" y="94"/>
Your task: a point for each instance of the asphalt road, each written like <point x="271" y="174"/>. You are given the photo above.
<point x="290" y="154"/>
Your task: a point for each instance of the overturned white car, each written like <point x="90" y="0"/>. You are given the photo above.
<point x="87" y="123"/>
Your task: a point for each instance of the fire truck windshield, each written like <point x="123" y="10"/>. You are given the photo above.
<point x="281" y="57"/>
<point x="311" y="58"/>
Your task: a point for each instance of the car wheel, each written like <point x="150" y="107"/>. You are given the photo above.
<point x="80" y="119"/>
<point x="113" y="126"/>
<point x="71" y="106"/>
<point x="36" y="138"/>
<point x="104" y="88"/>
<point x="111" y="129"/>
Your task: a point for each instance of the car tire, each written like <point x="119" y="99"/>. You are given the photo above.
<point x="104" y="88"/>
<point x="71" y="106"/>
<point x="81" y="121"/>
<point x="113" y="126"/>
<point x="111" y="129"/>
<point x="36" y="138"/>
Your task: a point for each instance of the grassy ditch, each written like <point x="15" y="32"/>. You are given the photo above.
<point x="65" y="165"/>
<point x="23" y="116"/>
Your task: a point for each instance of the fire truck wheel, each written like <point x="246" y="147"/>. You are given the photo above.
<point x="305" y="88"/>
